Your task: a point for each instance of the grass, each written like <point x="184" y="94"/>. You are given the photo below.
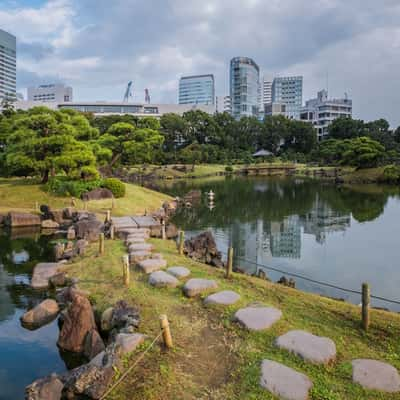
<point x="24" y="194"/>
<point x="213" y="357"/>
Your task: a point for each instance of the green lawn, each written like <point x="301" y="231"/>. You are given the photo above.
<point x="213" y="357"/>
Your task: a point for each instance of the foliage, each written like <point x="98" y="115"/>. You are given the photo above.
<point x="116" y="186"/>
<point x="391" y="173"/>
<point x="363" y="152"/>
<point x="62" y="186"/>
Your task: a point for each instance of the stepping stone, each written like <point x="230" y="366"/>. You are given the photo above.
<point x="146" y="221"/>
<point x="284" y="382"/>
<point x="134" y="240"/>
<point x="258" y="318"/>
<point x="226" y="298"/>
<point x="140" y="247"/>
<point x="121" y="223"/>
<point x="140" y="255"/>
<point x="162" y="279"/>
<point x="194" y="287"/>
<point x="152" y="264"/>
<point x="316" y="349"/>
<point x="179" y="272"/>
<point x="42" y="273"/>
<point x="376" y="375"/>
<point x="138" y="235"/>
<point x="128" y="342"/>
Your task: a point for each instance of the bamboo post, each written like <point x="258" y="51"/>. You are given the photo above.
<point x="101" y="243"/>
<point x="166" y="331"/>
<point x="366" y="295"/>
<point x="163" y="233"/>
<point x="181" y="242"/>
<point x="112" y="232"/>
<point x="126" y="271"/>
<point x="229" y="263"/>
<point x="112" y="203"/>
<point x="108" y="216"/>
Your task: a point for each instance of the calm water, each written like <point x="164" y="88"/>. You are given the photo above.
<point x="338" y="235"/>
<point x="24" y="355"/>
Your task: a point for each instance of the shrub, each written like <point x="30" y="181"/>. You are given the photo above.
<point x="391" y="173"/>
<point x="62" y="186"/>
<point x="229" y="168"/>
<point x="116" y="186"/>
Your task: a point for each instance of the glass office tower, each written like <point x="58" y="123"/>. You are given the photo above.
<point x="244" y="87"/>
<point x="197" y="89"/>
<point x="289" y="91"/>
<point x="8" y="68"/>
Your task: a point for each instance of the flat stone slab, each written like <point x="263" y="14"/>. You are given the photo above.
<point x="145" y="221"/>
<point x="42" y="273"/>
<point x="258" y="318"/>
<point x="140" y="255"/>
<point x="123" y="222"/>
<point x="226" y="298"/>
<point x="140" y="247"/>
<point x="128" y="342"/>
<point x="152" y="264"/>
<point x="179" y="272"/>
<point x="284" y="382"/>
<point x="196" y="286"/>
<point x="162" y="279"/>
<point x="376" y="375"/>
<point x="135" y="240"/>
<point x="316" y="349"/>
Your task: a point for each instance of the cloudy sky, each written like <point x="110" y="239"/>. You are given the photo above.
<point x="97" y="46"/>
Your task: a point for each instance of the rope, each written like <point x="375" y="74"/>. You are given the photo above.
<point x="330" y="285"/>
<point x="130" y="368"/>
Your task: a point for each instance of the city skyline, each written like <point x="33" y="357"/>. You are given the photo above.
<point x="64" y="41"/>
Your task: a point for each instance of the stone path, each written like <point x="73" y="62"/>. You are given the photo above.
<point x="278" y="379"/>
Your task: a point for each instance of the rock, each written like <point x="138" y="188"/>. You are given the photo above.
<point x="316" y="349"/>
<point x="124" y="315"/>
<point x="80" y="247"/>
<point x="140" y="247"/>
<point x="59" y="279"/>
<point x="179" y="272"/>
<point x="97" y="194"/>
<point x="226" y="298"/>
<point x="135" y="240"/>
<point x="287" y="282"/>
<point x="88" y="229"/>
<point x="204" y="249"/>
<point x="376" y="375"/>
<point x="40" y="315"/>
<point x="42" y="273"/>
<point x="66" y="295"/>
<point x="258" y="318"/>
<point x="162" y="279"/>
<point x="151" y="265"/>
<point x="137" y="256"/>
<point x="128" y="342"/>
<point x="48" y="388"/>
<point x="194" y="287"/>
<point x="68" y="213"/>
<point x="93" y="344"/>
<point x="145" y="221"/>
<point x="50" y="224"/>
<point x="71" y="234"/>
<point x="284" y="382"/>
<point x="106" y="318"/>
<point x="58" y="251"/>
<point x="15" y="219"/>
<point x="79" y="321"/>
<point x="171" y="231"/>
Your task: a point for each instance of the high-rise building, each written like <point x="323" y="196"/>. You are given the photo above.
<point x="266" y="92"/>
<point x="197" y="89"/>
<point x="8" y="65"/>
<point x="244" y="87"/>
<point x="223" y="104"/>
<point x="321" y="111"/>
<point x="52" y="92"/>
<point x="289" y="91"/>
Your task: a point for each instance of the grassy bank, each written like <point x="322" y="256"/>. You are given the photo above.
<point x="23" y="194"/>
<point x="213" y="357"/>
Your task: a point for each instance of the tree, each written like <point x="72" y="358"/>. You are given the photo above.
<point x="363" y="152"/>
<point x="276" y="130"/>
<point x="201" y="127"/>
<point x="301" y="138"/>
<point x="346" y="128"/>
<point x="174" y="129"/>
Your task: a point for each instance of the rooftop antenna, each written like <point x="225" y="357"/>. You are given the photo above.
<point x="128" y="92"/>
<point x="146" y="96"/>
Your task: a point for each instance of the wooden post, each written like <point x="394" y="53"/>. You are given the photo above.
<point x="166" y="331"/>
<point x="163" y="233"/>
<point x="36" y="206"/>
<point x="229" y="263"/>
<point x="112" y="203"/>
<point x="181" y="242"/>
<point x="101" y="243"/>
<point x="108" y="216"/>
<point x="112" y="232"/>
<point x="365" y="305"/>
<point x="126" y="271"/>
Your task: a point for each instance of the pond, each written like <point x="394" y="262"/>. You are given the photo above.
<point x="325" y="236"/>
<point x="25" y="355"/>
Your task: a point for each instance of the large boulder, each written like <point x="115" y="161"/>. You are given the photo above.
<point x="50" y="224"/>
<point x="78" y="322"/>
<point x="40" y="315"/>
<point x="97" y="194"/>
<point x="93" y="344"/>
<point x="88" y="229"/>
<point x="42" y="273"/>
<point x="204" y="249"/>
<point x="16" y="219"/>
<point x="48" y="388"/>
<point x="124" y="316"/>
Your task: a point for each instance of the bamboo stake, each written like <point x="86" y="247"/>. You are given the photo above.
<point x="229" y="263"/>
<point x="365" y="305"/>
<point x="101" y="243"/>
<point x="181" y="242"/>
<point x="126" y="271"/>
<point x="166" y="331"/>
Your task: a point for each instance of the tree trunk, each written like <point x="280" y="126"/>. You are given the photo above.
<point x="115" y="159"/>
<point x="45" y="176"/>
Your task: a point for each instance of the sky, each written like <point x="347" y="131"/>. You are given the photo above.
<point x="97" y="46"/>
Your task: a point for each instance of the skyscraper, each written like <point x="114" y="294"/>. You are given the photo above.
<point x="8" y="70"/>
<point x="289" y="91"/>
<point x="244" y="87"/>
<point x="197" y="89"/>
<point x="266" y="92"/>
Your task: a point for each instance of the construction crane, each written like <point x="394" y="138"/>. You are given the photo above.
<point x="128" y="92"/>
<point x="146" y="96"/>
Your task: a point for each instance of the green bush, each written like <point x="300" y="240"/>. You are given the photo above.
<point x="229" y="168"/>
<point x="62" y="186"/>
<point x="116" y="186"/>
<point x="391" y="173"/>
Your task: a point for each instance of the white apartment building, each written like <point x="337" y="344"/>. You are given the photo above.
<point x="223" y="104"/>
<point x="321" y="111"/>
<point x="266" y="91"/>
<point x="52" y="92"/>
<point x="8" y="69"/>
